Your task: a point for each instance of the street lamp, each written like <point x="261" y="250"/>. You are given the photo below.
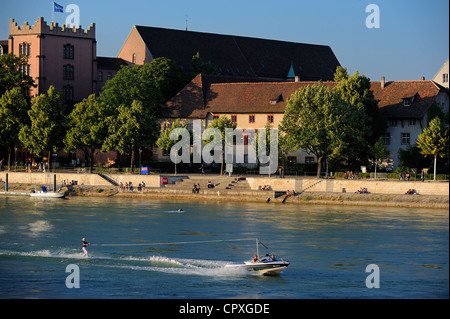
<point x="140" y="166"/>
<point x="15" y="161"/>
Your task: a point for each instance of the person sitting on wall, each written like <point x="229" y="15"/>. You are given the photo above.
<point x="210" y="184"/>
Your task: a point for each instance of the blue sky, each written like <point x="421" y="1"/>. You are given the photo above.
<point x="412" y="41"/>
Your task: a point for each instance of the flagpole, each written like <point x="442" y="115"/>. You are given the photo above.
<point x="53" y="11"/>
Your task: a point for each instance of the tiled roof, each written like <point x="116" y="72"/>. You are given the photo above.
<point x="242" y="56"/>
<point x="110" y="63"/>
<point x="391" y="97"/>
<point x="223" y="95"/>
<point x="252" y="97"/>
<point x="220" y="94"/>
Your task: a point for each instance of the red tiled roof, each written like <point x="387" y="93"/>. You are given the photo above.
<point x="223" y="95"/>
<point x="252" y="97"/>
<point x="391" y="97"/>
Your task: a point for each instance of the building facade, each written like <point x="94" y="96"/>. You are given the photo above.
<point x="403" y="104"/>
<point x="59" y="56"/>
<point x="441" y="76"/>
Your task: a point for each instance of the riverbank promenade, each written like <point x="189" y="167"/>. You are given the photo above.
<point x="237" y="188"/>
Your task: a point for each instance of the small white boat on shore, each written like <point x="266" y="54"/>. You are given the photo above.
<point x="270" y="264"/>
<point x="44" y="193"/>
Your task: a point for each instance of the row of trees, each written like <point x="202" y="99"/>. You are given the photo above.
<point x="340" y="125"/>
<point x="123" y="119"/>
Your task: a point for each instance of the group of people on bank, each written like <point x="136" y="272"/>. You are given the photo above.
<point x="128" y="186"/>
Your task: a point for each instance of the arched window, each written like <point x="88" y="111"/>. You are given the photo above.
<point x="133" y="59"/>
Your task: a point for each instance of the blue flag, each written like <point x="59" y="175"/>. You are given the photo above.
<point x="57" y="7"/>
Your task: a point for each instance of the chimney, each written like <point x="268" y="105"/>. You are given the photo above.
<point x="297" y="78"/>
<point x="383" y="82"/>
<point x="422" y="78"/>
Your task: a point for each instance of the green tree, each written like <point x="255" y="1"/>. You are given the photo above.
<point x="221" y="123"/>
<point x="378" y="152"/>
<point x="322" y="123"/>
<point x="164" y="142"/>
<point x="131" y="128"/>
<point x="47" y="125"/>
<point x="356" y="90"/>
<point x="434" y="141"/>
<point x="13" y="115"/>
<point x="12" y="75"/>
<point x="270" y="143"/>
<point x="131" y="84"/>
<point x="87" y="127"/>
<point x="167" y="76"/>
<point x="198" y="65"/>
<point x="434" y="111"/>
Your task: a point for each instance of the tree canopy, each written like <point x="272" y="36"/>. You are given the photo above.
<point x="434" y="141"/>
<point x="87" y="127"/>
<point x="46" y="127"/>
<point x="322" y="123"/>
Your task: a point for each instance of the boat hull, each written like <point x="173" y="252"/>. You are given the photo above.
<point x="268" y="269"/>
<point x="48" y="195"/>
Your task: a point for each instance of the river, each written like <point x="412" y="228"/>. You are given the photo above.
<point x="142" y="248"/>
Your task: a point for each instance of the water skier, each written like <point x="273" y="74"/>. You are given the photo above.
<point x="85" y="244"/>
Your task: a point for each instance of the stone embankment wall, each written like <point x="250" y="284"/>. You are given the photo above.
<point x="276" y="184"/>
<point x="80" y="179"/>
<point x="350" y="186"/>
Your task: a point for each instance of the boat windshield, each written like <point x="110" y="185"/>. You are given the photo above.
<point x="269" y="258"/>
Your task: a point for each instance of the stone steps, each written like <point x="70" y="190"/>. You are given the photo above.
<point x="221" y="183"/>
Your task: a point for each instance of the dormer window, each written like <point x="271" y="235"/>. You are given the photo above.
<point x="407" y="101"/>
<point x="275" y="100"/>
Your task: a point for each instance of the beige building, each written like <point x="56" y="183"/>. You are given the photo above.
<point x="404" y="105"/>
<point x="441" y="76"/>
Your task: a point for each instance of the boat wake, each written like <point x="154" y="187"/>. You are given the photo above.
<point x="154" y="263"/>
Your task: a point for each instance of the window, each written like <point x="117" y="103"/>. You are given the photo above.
<point x="24" y="49"/>
<point x="215" y="117"/>
<point x="309" y="159"/>
<point x="406" y="138"/>
<point x="68" y="51"/>
<point x="407" y="102"/>
<point x="251" y="118"/>
<point x="292" y="160"/>
<point x="245" y="136"/>
<point x="109" y="76"/>
<point x="25" y="70"/>
<point x="270" y="118"/>
<point x="392" y="123"/>
<point x="68" y="72"/>
<point x="133" y="58"/>
<point x="100" y="76"/>
<point x="412" y="122"/>
<point x="445" y="77"/>
<point x="233" y="118"/>
<point x="166" y="152"/>
<point x="386" y="138"/>
<point x="68" y="93"/>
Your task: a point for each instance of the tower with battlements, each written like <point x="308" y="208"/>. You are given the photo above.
<point x="57" y="55"/>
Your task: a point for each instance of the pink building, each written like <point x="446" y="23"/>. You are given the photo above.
<point x="59" y="56"/>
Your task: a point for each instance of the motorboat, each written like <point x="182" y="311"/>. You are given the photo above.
<point x="44" y="193"/>
<point x="269" y="264"/>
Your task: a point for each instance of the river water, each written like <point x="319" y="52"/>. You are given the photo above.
<point x="329" y="248"/>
